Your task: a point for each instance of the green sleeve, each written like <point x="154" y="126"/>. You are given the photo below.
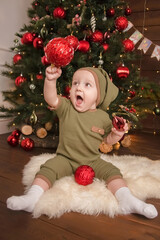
<point x="62" y="107"/>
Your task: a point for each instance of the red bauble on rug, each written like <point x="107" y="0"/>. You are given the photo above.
<point x="84" y="175"/>
<point x="16" y="133"/>
<point x="27" y="144"/>
<point x="13" y="140"/>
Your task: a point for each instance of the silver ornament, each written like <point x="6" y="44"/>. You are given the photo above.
<point x="32" y="87"/>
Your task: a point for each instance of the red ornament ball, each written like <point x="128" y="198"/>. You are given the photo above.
<point x="84" y="46"/>
<point x="17" y="58"/>
<point x="59" y="12"/>
<point x="73" y="41"/>
<point x="67" y="90"/>
<point x="39" y="76"/>
<point x="59" y="52"/>
<point x="84" y="175"/>
<point x="35" y="4"/>
<point x="111" y="12"/>
<point x="128" y="11"/>
<point x="38" y="43"/>
<point x="97" y="36"/>
<point x="128" y="45"/>
<point x="122" y="72"/>
<point x="19" y="80"/>
<point x="16" y="133"/>
<point x="44" y="61"/>
<point x="121" y="23"/>
<point x="105" y="46"/>
<point x="132" y="94"/>
<point x="118" y="123"/>
<point x="27" y="38"/>
<point x="12" y="140"/>
<point x="27" y="144"/>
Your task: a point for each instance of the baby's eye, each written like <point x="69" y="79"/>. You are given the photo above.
<point x="75" y="83"/>
<point x="88" y="85"/>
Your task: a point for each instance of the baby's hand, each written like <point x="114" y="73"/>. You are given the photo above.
<point x="52" y="73"/>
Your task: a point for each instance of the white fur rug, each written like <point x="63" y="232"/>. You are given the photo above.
<point x="141" y="174"/>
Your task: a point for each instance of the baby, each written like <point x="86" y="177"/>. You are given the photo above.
<point x="83" y="124"/>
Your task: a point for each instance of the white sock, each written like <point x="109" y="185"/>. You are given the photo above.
<point x="26" y="202"/>
<point x="130" y="204"/>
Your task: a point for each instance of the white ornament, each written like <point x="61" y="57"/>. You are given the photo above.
<point x="32" y="86"/>
<point x="104" y="18"/>
<point x="93" y="23"/>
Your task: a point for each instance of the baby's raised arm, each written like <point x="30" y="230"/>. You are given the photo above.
<point x="50" y="90"/>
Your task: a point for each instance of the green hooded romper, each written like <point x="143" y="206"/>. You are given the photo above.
<point x="80" y="135"/>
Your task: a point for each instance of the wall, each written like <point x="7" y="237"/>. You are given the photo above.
<point x="13" y="15"/>
<point x="150" y="67"/>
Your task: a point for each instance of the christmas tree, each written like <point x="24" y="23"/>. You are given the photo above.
<point x="103" y="41"/>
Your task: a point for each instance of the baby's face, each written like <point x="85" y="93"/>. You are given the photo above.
<point x="83" y="92"/>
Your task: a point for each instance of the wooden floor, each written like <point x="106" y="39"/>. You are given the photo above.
<point x="72" y="226"/>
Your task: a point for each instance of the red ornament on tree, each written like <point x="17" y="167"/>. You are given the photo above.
<point x="19" y="80"/>
<point x="84" y="46"/>
<point x="128" y="11"/>
<point x="27" y="38"/>
<point x="121" y="23"/>
<point x="122" y="72"/>
<point x="59" y="12"/>
<point x="67" y="90"/>
<point x="38" y="43"/>
<point x="84" y="175"/>
<point x="12" y="140"/>
<point x="73" y="41"/>
<point x="59" y="52"/>
<point x="132" y="93"/>
<point x="17" y="58"/>
<point x="97" y="36"/>
<point x="111" y="12"/>
<point x="35" y="4"/>
<point x="105" y="46"/>
<point x="39" y="76"/>
<point x="128" y="45"/>
<point x="44" y="61"/>
<point x="27" y="144"/>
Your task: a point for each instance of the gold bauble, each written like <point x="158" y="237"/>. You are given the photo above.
<point x="116" y="146"/>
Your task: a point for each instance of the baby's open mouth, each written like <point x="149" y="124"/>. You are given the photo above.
<point x="79" y="99"/>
